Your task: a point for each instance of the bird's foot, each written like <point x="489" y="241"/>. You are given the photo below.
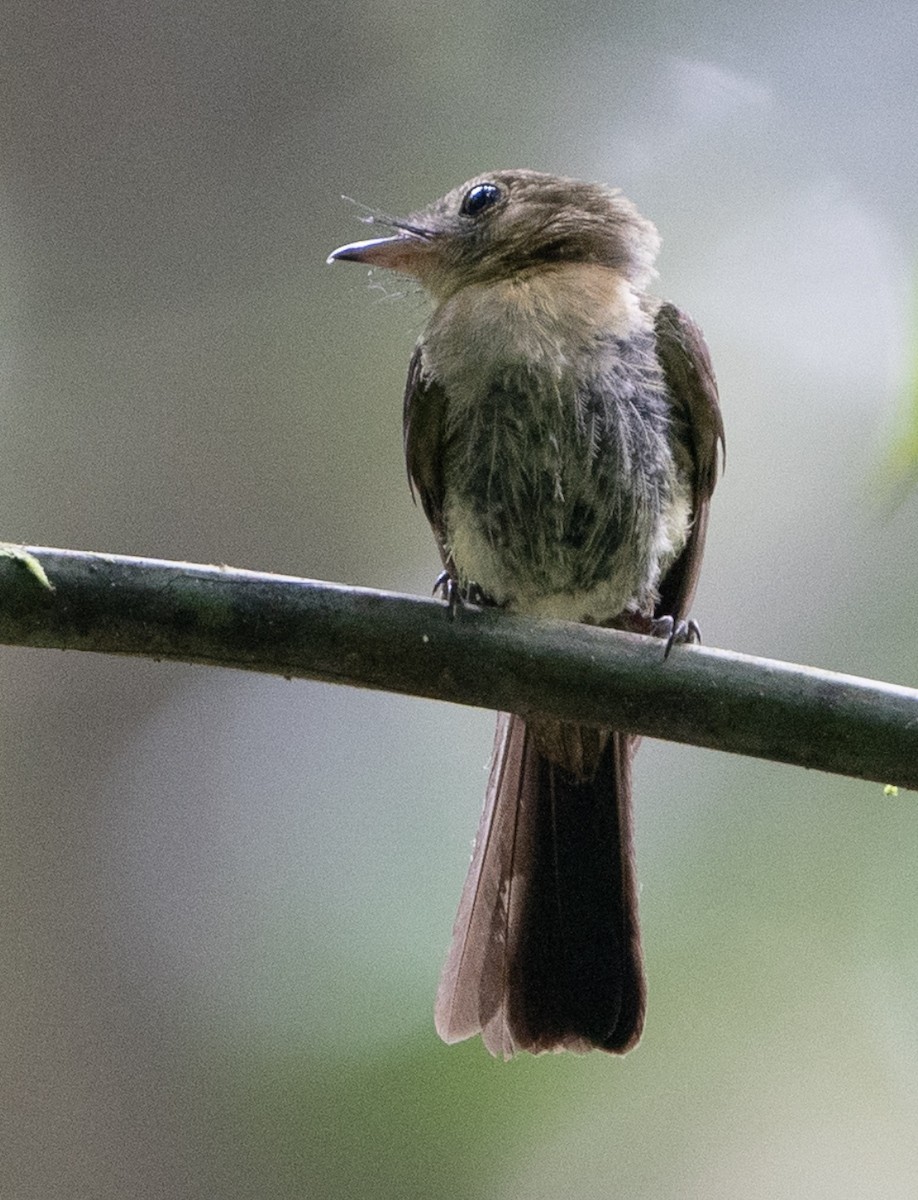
<point x="677" y="633"/>
<point x="457" y="595"/>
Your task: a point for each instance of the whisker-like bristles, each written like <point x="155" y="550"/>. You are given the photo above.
<point x="376" y="216"/>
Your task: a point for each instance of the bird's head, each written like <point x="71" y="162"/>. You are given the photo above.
<point x="507" y="222"/>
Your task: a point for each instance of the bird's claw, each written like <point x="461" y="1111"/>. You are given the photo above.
<point x="677" y="633"/>
<point x="455" y="594"/>
<point x="443" y="585"/>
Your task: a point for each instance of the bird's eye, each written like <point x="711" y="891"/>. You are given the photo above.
<point x="478" y="198"/>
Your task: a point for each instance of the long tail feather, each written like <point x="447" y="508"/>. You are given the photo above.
<point x="546" y="946"/>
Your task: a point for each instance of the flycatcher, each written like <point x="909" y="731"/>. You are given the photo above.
<point x="562" y="431"/>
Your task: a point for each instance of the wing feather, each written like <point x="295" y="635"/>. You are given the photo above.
<point x="424" y="420"/>
<point x="689" y="376"/>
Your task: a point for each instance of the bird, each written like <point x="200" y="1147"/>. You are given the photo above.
<point x="563" y="433"/>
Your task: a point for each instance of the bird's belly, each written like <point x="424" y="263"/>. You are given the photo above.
<point x="573" y="536"/>
<point x="543" y="585"/>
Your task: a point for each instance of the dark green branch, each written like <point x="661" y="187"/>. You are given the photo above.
<point x="299" y="628"/>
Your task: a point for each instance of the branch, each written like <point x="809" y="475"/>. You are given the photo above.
<point x="303" y="629"/>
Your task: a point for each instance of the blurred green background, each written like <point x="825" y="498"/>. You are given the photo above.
<point x="225" y="899"/>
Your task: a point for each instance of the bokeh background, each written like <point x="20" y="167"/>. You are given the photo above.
<point x="224" y="899"/>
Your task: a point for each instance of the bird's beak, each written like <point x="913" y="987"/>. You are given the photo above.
<point x="405" y="252"/>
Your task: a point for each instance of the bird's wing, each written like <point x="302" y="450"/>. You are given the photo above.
<point x="424" y="432"/>
<point x="689" y="375"/>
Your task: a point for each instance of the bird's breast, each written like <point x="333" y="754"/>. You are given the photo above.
<point x="542" y="318"/>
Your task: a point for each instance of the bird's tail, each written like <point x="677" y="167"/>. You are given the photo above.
<point x="546" y="951"/>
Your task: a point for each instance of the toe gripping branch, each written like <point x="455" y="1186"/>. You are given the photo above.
<point x="448" y="588"/>
<point x="677" y="633"/>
